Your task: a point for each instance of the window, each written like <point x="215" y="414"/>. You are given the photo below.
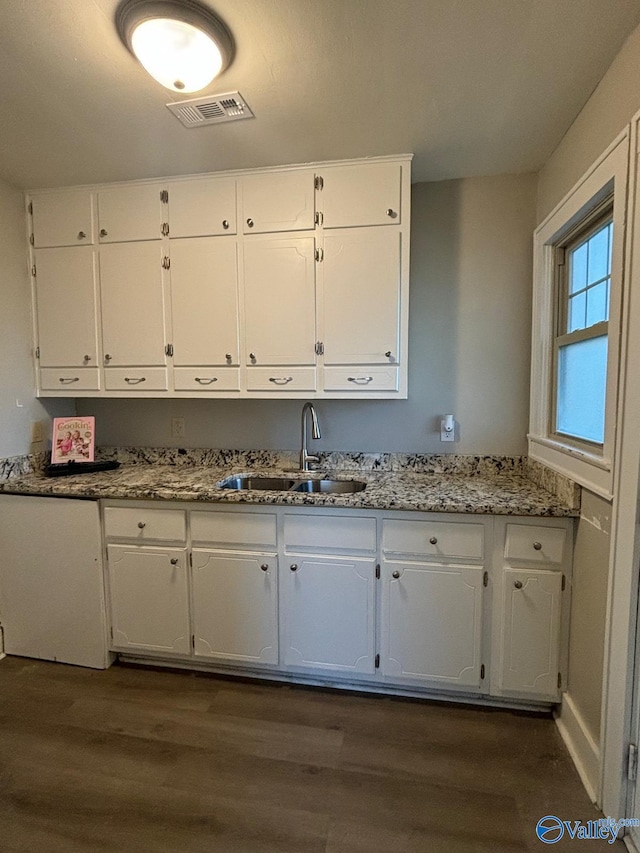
<point x="577" y="298"/>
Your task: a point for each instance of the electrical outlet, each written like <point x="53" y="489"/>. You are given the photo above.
<point x="177" y="427"/>
<point x="447" y="435"/>
<point x="37" y="432"/>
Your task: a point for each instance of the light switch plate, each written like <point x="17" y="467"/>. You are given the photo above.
<point x="37" y="432"/>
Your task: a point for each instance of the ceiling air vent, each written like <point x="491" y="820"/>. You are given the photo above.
<point x="213" y="109"/>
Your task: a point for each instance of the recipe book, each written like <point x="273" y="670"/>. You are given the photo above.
<point x="74" y="440"/>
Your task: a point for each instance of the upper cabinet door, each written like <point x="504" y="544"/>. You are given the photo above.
<point x="202" y="208"/>
<point x="63" y="219"/>
<point x="278" y="201"/>
<point x="367" y="194"/>
<point x="204" y="301"/>
<point x="361" y="297"/>
<point x="65" y="289"/>
<point x="130" y="213"/>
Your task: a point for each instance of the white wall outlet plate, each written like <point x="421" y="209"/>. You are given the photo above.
<point x="447" y="435"/>
<point x="37" y="432"/>
<point x="177" y="427"/>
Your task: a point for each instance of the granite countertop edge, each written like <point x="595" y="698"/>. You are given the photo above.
<point x="504" y="493"/>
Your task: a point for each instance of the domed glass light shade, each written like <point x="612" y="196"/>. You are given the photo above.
<point x="181" y="43"/>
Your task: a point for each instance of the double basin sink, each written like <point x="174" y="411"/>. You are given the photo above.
<point x="289" y="484"/>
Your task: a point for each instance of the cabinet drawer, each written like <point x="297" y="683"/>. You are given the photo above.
<point x="535" y="543"/>
<point x="281" y="379"/>
<point x="329" y="533"/>
<point x="164" y="525"/>
<point x="434" y="539"/>
<point x="206" y="379"/>
<point x="79" y="379"/>
<point x="361" y="379"/>
<point x="242" y="528"/>
<point x="135" y="379"/>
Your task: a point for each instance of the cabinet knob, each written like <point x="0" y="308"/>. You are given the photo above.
<point x="537" y="546"/>
<point x="388" y="353"/>
<point x="142" y="525"/>
<point x="104" y="232"/>
<point x="294" y="567"/>
<point x="225" y="224"/>
<point x="395" y="574"/>
<point x="87" y="358"/>
<point x="517" y="584"/>
<point x="391" y="213"/>
<point x="265" y="567"/>
<point x="107" y="357"/>
<point x="250" y="222"/>
<point x="252" y="356"/>
<point x="81" y="235"/>
<point x="228" y="356"/>
<point x="174" y="561"/>
<point x="434" y="540"/>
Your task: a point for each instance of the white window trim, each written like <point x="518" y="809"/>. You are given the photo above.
<point x="609" y="173"/>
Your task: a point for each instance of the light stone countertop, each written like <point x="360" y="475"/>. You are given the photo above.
<point x="489" y="492"/>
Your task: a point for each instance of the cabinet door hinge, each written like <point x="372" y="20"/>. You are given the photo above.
<point x="165" y="229"/>
<point x="485" y="579"/>
<point x="564" y="583"/>
<point x="166" y="262"/>
<point x="191" y="558"/>
<point x="482" y="673"/>
<point x="632" y="763"/>
<point x="31" y="208"/>
<point x="319" y="217"/>
<point x="111" y="632"/>
<point x="377" y="571"/>
<point x="169" y="350"/>
<point x="164" y="196"/>
<point x="33" y="270"/>
<point x="319" y="254"/>
<point x="193" y="642"/>
<point x="319" y="348"/>
<point x="32" y="239"/>
<point x="319" y="182"/>
<point x="37" y="352"/>
<point x="559" y="680"/>
<point x="377" y="661"/>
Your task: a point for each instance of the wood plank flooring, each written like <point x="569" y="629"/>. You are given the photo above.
<point x="134" y="759"/>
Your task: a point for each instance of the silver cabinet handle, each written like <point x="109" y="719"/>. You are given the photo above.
<point x="208" y="381"/>
<point x="225" y="224"/>
<point x="391" y="213"/>
<point x="135" y="380"/>
<point x="433" y="540"/>
<point x="107" y="357"/>
<point x="395" y="574"/>
<point x="142" y="525"/>
<point x="360" y="380"/>
<point x="517" y="584"/>
<point x="69" y="380"/>
<point x="174" y="561"/>
<point x="81" y="235"/>
<point x="250" y="222"/>
<point x="537" y="546"/>
<point x="294" y="567"/>
<point x="104" y="232"/>
<point x="265" y="567"/>
<point x="281" y="380"/>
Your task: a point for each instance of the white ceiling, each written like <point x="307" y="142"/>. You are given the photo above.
<point x="471" y="87"/>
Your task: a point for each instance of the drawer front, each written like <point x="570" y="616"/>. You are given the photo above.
<point x="242" y="528"/>
<point x="281" y="379"/>
<point x="163" y="525"/>
<point x="329" y="533"/>
<point x="434" y="539"/>
<point x="535" y="543"/>
<point x="135" y="379"/>
<point x="206" y="379"/>
<point x="361" y="379"/>
<point x="78" y="379"/>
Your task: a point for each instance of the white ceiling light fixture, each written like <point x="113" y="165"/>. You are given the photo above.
<point x="181" y="43"/>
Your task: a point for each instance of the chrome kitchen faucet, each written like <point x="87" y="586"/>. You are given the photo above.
<point x="305" y="457"/>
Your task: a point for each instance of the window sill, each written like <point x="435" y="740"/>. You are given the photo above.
<point x="592" y="472"/>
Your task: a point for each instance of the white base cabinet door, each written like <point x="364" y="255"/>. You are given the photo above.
<point x="432" y="623"/>
<point x="235" y="609"/>
<point x="149" y="598"/>
<point x="530" y="632"/>
<point x="328" y="609"/>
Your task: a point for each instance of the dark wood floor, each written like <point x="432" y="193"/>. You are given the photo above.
<point x="135" y="759"/>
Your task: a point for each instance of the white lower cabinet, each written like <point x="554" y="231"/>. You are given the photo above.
<point x="235" y="606"/>
<point x="432" y="623"/>
<point x="149" y="598"/>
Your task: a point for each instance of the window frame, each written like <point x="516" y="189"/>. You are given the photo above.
<point x="587" y="463"/>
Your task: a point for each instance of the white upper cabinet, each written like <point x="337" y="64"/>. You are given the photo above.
<point x="280" y="298"/>
<point x="366" y="194"/>
<point x="133" y="320"/>
<point x="202" y="207"/>
<point x="130" y="213"/>
<point x="361" y="297"/>
<point x="63" y="218"/>
<point x="65" y="294"/>
<point x="204" y="301"/>
<point x="278" y="201"/>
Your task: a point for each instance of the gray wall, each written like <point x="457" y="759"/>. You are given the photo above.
<point x="469" y="346"/>
<point x="18" y="408"/>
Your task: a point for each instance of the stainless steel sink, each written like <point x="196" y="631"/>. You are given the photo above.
<point x="286" y="484"/>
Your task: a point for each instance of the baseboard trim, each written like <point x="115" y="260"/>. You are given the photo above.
<point x="583" y="749"/>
